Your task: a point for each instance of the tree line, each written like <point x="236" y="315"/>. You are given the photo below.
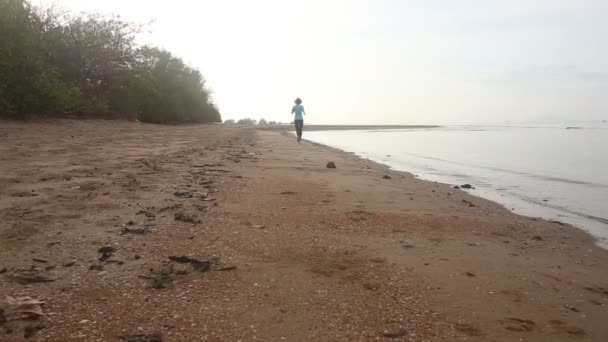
<point x="250" y="122"/>
<point x="90" y="65"/>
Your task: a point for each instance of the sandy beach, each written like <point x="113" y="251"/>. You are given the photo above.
<point x="120" y="231"/>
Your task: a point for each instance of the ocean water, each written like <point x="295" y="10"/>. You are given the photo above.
<point x="554" y="172"/>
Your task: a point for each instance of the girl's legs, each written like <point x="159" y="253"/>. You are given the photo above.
<point x="299" y="126"/>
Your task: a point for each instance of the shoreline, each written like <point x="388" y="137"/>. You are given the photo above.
<point x="294" y="251"/>
<point x="512" y="204"/>
<point x="313" y="127"/>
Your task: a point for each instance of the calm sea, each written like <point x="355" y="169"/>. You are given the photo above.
<point x="554" y="172"/>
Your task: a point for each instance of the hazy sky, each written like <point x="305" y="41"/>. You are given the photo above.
<point x="387" y="61"/>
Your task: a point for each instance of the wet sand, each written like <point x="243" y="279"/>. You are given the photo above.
<point x="96" y="217"/>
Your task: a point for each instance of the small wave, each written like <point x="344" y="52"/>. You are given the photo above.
<point x="564" y="209"/>
<point x="563" y="180"/>
<point x="533" y="175"/>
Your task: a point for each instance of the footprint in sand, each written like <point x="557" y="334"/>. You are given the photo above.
<point x="468" y="329"/>
<point x="515" y="295"/>
<point x="518" y="324"/>
<point x="598" y="303"/>
<point x="597" y="290"/>
<point x="568" y="329"/>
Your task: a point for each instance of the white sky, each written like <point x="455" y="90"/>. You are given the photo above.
<point x="387" y="61"/>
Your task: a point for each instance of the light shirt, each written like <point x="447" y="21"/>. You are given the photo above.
<point x="299" y="111"/>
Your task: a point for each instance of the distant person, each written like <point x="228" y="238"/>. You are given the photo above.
<point x="298" y="110"/>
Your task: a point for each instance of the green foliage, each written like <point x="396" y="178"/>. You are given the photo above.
<point x="90" y="65"/>
<point x="247" y="121"/>
<point x="28" y="84"/>
<point x="174" y="91"/>
<point x="162" y="281"/>
<point x="359" y="215"/>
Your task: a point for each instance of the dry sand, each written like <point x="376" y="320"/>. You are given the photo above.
<point x="320" y="254"/>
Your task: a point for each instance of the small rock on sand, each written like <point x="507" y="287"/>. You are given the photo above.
<point x="106" y="252"/>
<point x="141" y="338"/>
<point x="372" y="286"/>
<point x="398" y="333"/>
<point x="331" y="165"/>
<point x="184" y="217"/>
<point x="29" y="276"/>
<point x="183" y="194"/>
<point x="197" y="265"/>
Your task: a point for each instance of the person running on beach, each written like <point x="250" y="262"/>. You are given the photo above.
<point x="298" y="110"/>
